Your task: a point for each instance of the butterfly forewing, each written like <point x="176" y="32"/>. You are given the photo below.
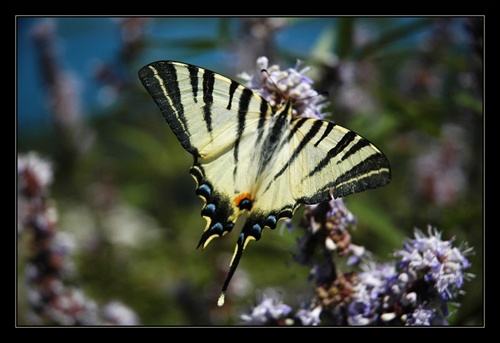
<point x="205" y="110"/>
<point x="334" y="157"/>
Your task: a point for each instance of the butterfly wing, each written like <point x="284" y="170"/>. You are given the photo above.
<point x="326" y="157"/>
<point x="254" y="166"/>
<point x="199" y="105"/>
<point x="232" y="133"/>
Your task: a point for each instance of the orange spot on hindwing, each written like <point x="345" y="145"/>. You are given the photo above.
<point x="244" y="201"/>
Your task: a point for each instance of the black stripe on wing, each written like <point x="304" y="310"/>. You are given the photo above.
<point x="372" y="172"/>
<point x="193" y="78"/>
<point x="271" y="145"/>
<point x="303" y="143"/>
<point x="161" y="81"/>
<point x="232" y="88"/>
<point x="265" y="114"/>
<point x="333" y="152"/>
<point x="243" y="104"/>
<point x="208" y="89"/>
<point x="328" y="130"/>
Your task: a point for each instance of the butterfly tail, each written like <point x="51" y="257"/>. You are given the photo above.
<point x="249" y="233"/>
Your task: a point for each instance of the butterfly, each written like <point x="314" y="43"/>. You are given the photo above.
<point x="255" y="165"/>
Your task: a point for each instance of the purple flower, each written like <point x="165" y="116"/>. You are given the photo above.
<point x="277" y="86"/>
<point x="442" y="265"/>
<point x="422" y="316"/>
<point x="309" y="317"/>
<point x="416" y="290"/>
<point x="268" y="312"/>
<point x="370" y="302"/>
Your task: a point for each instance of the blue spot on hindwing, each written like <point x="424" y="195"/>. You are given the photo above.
<point x="229" y="226"/>
<point x="245" y="204"/>
<point x="256" y="230"/>
<point x="204" y="190"/>
<point x="216" y="229"/>
<point x="209" y="210"/>
<point x="271" y="221"/>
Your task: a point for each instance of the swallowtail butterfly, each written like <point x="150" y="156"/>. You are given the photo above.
<point x="254" y="165"/>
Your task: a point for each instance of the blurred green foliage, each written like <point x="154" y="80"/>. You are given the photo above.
<point x="130" y="202"/>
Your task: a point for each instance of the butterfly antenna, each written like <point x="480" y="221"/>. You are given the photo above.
<point x="283" y="96"/>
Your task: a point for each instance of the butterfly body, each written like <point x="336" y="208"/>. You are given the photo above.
<point x="254" y="165"/>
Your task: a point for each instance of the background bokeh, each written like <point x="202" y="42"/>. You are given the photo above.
<point x="413" y="86"/>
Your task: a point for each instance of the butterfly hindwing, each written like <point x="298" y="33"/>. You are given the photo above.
<point x="254" y="166"/>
